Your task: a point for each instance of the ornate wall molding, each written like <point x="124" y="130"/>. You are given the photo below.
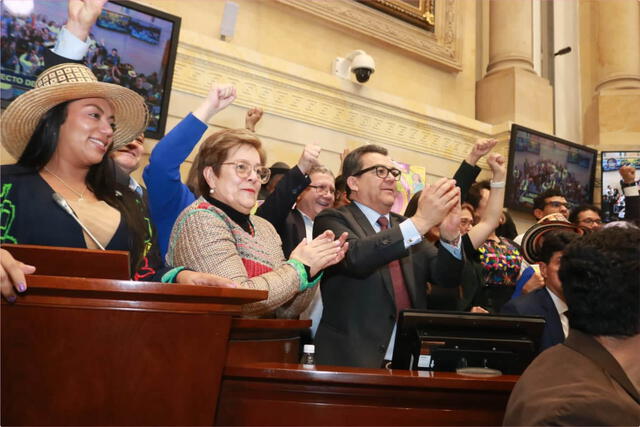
<point x="314" y="100"/>
<point x="442" y="48"/>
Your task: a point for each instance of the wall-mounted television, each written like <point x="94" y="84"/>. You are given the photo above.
<point x="449" y="341"/>
<point x="538" y="162"/>
<point x="613" y="204"/>
<point x="131" y="45"/>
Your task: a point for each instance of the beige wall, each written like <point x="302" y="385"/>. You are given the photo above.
<point x="279" y="31"/>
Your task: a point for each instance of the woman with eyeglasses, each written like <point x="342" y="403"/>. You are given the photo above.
<point x="217" y="234"/>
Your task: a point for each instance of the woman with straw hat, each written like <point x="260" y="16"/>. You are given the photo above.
<point x="63" y="190"/>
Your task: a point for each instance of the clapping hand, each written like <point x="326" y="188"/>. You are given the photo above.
<point x="322" y="252"/>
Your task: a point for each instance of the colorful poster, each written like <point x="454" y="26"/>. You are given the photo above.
<point x="411" y="181"/>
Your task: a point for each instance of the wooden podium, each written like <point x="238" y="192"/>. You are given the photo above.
<point x="277" y="394"/>
<point x="105" y="352"/>
<point x="91" y="351"/>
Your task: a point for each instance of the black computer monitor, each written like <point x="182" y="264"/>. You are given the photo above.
<point x="447" y="341"/>
<point x="538" y="162"/>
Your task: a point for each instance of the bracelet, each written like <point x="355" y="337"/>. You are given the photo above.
<point x="302" y="274"/>
<point x="170" y="276"/>
<point x="500" y="184"/>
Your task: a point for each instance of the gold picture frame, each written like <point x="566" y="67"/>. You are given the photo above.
<point x="420" y="13"/>
<point x="441" y="47"/>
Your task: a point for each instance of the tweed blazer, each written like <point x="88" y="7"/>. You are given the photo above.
<point x="205" y="239"/>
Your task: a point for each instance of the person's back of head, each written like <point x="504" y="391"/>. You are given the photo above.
<point x="600" y="274"/>
<point x="555" y="241"/>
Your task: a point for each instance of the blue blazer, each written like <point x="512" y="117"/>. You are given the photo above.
<point x="538" y="303"/>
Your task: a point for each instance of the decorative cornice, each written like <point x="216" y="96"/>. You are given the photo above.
<point x="314" y="101"/>
<point x="442" y="47"/>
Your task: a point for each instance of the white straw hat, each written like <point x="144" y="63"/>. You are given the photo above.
<point x="67" y="82"/>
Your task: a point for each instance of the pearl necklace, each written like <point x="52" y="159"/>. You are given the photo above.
<point x="80" y="195"/>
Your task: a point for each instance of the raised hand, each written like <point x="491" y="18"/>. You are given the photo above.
<point x="628" y="173"/>
<point x="309" y="158"/>
<point x="220" y="96"/>
<point x="252" y="118"/>
<point x="321" y="252"/>
<point x="436" y="201"/>
<point x="450" y="225"/>
<point x="12" y="274"/>
<point x="480" y="148"/>
<point x="536" y="281"/>
<point x="82" y="15"/>
<point x="498" y="166"/>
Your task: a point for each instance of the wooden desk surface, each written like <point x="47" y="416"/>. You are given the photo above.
<point x="106" y="352"/>
<point x="281" y="394"/>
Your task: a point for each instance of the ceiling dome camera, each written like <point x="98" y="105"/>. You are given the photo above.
<point x="358" y="62"/>
<point x="362" y="65"/>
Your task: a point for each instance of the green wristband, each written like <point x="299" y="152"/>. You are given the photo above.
<point x="302" y="274"/>
<point x="170" y="276"/>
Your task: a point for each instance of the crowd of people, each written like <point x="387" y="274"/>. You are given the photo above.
<point x="25" y="41"/>
<point x="543" y="175"/>
<point x="77" y="140"/>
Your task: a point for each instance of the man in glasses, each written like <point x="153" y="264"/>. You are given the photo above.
<point x="588" y="216"/>
<point x="318" y="195"/>
<point x="388" y="264"/>
<point x="546" y="204"/>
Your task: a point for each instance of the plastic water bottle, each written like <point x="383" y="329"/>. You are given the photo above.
<point x="308" y="356"/>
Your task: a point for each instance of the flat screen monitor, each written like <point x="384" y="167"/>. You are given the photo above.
<point x="447" y="341"/>
<point x="612" y="196"/>
<point x="131" y="45"/>
<point x="538" y="162"/>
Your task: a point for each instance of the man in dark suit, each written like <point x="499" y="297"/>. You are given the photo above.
<point x="318" y="196"/>
<point x="387" y="265"/>
<point x="548" y="301"/>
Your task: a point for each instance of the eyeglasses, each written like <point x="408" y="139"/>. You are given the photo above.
<point x="590" y="221"/>
<point x="382" y="172"/>
<point x="466" y="221"/>
<point x="323" y="189"/>
<point x="558" y="204"/>
<point x="243" y="170"/>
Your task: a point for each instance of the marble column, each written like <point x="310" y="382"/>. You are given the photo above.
<point x="612" y="119"/>
<point x="510" y="36"/>
<point x="616" y="33"/>
<point x="511" y="90"/>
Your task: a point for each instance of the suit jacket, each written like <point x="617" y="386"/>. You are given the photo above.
<point x="292" y="233"/>
<point x="539" y="303"/>
<point x="278" y="204"/>
<point x="359" y="309"/>
<point x="578" y="383"/>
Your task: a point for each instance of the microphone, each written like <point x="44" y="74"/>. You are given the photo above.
<point x="65" y="206"/>
<point x="563" y="51"/>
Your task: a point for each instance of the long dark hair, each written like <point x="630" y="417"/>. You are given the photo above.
<point x="101" y="179"/>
